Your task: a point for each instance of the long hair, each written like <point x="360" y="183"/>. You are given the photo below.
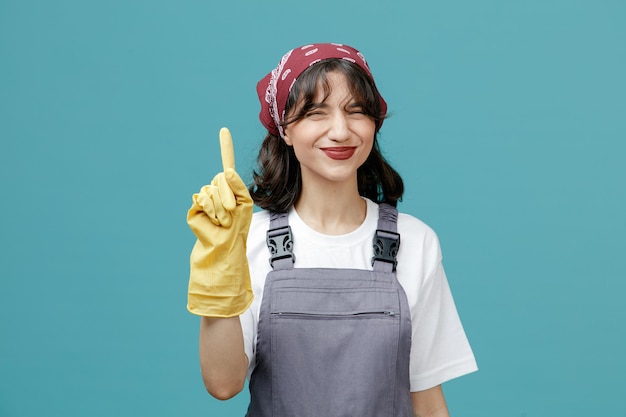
<point x="277" y="181"/>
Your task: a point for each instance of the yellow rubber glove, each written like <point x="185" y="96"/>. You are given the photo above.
<point x="219" y="279"/>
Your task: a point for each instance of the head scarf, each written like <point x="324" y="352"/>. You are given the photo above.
<point x="274" y="88"/>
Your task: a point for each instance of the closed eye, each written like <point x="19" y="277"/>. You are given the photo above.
<point x="316" y="110"/>
<point x="355" y="108"/>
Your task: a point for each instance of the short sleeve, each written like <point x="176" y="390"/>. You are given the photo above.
<point x="440" y="350"/>
<point x="247" y="328"/>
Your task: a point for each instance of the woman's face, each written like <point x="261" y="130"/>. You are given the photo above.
<point x="335" y="137"/>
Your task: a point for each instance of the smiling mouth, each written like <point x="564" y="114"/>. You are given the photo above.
<point x="339" y="152"/>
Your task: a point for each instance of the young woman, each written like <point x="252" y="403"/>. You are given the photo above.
<point x="329" y="300"/>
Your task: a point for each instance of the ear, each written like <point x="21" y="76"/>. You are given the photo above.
<point x="287" y="139"/>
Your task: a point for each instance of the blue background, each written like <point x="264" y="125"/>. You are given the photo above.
<point x="508" y="125"/>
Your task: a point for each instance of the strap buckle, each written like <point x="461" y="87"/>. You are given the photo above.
<point x="386" y="245"/>
<point x="280" y="243"/>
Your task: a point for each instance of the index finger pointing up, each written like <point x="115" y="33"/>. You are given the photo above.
<point x="226" y="147"/>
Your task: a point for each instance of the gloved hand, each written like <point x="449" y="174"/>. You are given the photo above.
<point x="219" y="280"/>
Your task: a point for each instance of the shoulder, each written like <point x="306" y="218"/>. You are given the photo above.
<point x="412" y="223"/>
<point x="260" y="219"/>
<point x="415" y="230"/>
<point x="418" y="242"/>
<point x="257" y="232"/>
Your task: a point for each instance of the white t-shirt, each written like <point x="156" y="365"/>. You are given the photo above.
<point x="439" y="350"/>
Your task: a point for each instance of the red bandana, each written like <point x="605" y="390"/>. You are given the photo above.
<point x="274" y="88"/>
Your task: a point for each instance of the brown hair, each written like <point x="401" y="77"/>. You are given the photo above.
<point x="277" y="180"/>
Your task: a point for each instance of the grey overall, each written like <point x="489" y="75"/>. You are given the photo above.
<point x="332" y="342"/>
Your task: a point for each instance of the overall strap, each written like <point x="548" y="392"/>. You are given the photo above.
<point x="280" y="242"/>
<point x="386" y="239"/>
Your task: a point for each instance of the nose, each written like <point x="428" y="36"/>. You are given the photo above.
<point x="339" y="128"/>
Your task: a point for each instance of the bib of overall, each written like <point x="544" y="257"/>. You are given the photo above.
<point x="332" y="342"/>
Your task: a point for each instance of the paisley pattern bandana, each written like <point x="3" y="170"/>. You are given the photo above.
<point x="274" y="88"/>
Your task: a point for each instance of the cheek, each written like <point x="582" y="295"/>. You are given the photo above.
<point x="369" y="146"/>
<point x="368" y="153"/>
<point x="368" y="130"/>
<point x="370" y="134"/>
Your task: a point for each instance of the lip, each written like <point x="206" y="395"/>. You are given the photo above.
<point x="339" y="153"/>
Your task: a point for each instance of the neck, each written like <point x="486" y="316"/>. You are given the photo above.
<point x="331" y="209"/>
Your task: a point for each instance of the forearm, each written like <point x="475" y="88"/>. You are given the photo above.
<point x="437" y="413"/>
<point x="222" y="359"/>
<point x="430" y="403"/>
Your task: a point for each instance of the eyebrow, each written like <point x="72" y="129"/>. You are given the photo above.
<point x="323" y="105"/>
